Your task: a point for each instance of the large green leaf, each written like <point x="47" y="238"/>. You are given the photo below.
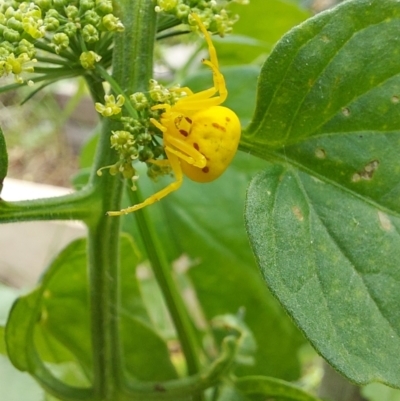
<point x="263" y="20"/>
<point x="7" y="297"/>
<point x="380" y="392"/>
<point x="201" y="228"/>
<point x="324" y="220"/>
<point x="3" y="159"/>
<point x="56" y="318"/>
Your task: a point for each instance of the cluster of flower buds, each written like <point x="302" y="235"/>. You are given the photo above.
<point x="76" y="29"/>
<point x="212" y="13"/>
<point x="138" y="139"/>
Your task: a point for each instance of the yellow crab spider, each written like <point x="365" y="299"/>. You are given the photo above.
<point x="200" y="136"/>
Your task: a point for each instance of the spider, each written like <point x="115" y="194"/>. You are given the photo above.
<point x="200" y="136"/>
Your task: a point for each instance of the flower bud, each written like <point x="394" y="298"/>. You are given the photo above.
<point x="112" y="23"/>
<point x="86" y="5"/>
<point x="60" y="42"/>
<point x="43" y="4"/>
<point x="91" y="17"/>
<point x="90" y="34"/>
<point x="89" y="59"/>
<point x="139" y="101"/>
<point x="72" y="12"/>
<point x="104" y="7"/>
<point x="15" y="24"/>
<point x="51" y="23"/>
<point x="11" y="35"/>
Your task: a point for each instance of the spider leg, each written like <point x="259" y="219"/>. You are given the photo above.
<point x="176" y="167"/>
<point x="164" y="106"/>
<point x="207" y="37"/>
<point x="158" y="125"/>
<point x="219" y="82"/>
<point x="185" y="151"/>
<point x="205" y="98"/>
<point x="193" y="105"/>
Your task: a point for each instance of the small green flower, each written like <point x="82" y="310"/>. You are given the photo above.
<point x="90" y="34"/>
<point x="158" y="92"/>
<point x="122" y="141"/>
<point x="15" y="24"/>
<point x="91" y="17"/>
<point x="166" y="5"/>
<point x="89" y="59"/>
<point x="60" y="42"/>
<point x="112" y="23"/>
<point x="51" y="23"/>
<point x="70" y="29"/>
<point x="104" y="7"/>
<point x="87" y="5"/>
<point x="182" y="11"/>
<point x="26" y="47"/>
<point x="139" y="101"/>
<point x="16" y="65"/>
<point x="44" y="4"/>
<point x="111" y="107"/>
<point x="31" y="18"/>
<point x="71" y="12"/>
<point x="11" y="35"/>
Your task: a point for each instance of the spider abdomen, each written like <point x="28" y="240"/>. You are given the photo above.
<point x="215" y="133"/>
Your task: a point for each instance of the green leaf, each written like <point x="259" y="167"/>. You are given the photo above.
<point x="7" y="298"/>
<point x="324" y="220"/>
<point x="262" y="387"/>
<point x="3" y="159"/>
<point x="19" y="330"/>
<point x="54" y="319"/>
<point x="263" y="20"/>
<point x="201" y="228"/>
<point x="380" y="392"/>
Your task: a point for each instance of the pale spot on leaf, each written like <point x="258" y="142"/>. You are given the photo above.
<point x="298" y="213"/>
<point x="320" y="153"/>
<point x="384" y="221"/>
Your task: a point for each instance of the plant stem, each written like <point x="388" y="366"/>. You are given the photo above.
<point x="173" y="299"/>
<point x="76" y="206"/>
<point x="132" y="68"/>
<point x="141" y="67"/>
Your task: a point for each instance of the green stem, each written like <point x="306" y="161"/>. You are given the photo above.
<point x="103" y="242"/>
<point x="192" y="385"/>
<point x="173" y="299"/>
<point x="132" y="69"/>
<point x="137" y="69"/>
<point x="77" y="206"/>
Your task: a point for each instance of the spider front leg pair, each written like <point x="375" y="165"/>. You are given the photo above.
<point x="176" y="150"/>
<point x="200" y="136"/>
